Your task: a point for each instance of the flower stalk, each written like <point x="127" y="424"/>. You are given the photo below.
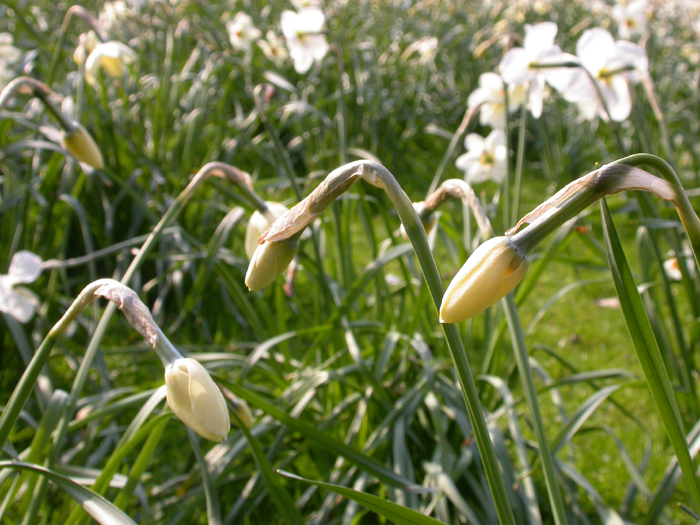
<point x="339" y="181"/>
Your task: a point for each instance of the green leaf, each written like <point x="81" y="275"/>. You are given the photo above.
<point x="391" y="511"/>
<point x="649" y="354"/>
<point x="323" y="440"/>
<point x="284" y="503"/>
<point x="94" y="504"/>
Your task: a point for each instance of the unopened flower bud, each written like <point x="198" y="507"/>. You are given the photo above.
<point x="427" y="217"/>
<point x="490" y="273"/>
<point x="196" y="400"/>
<point x="81" y="145"/>
<point x="258" y="223"/>
<point x="269" y="261"/>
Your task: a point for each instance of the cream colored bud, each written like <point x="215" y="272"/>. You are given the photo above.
<point x="243" y="412"/>
<point x="81" y="145"/>
<point x="428" y="217"/>
<point x="269" y="261"/>
<point x="493" y="270"/>
<point x="258" y="223"/>
<point x="86" y="45"/>
<point x="196" y="400"/>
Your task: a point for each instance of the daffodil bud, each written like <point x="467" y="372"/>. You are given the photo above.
<point x="81" y="145"/>
<point x="269" y="261"/>
<point x="196" y="400"/>
<point x="259" y="222"/>
<point x="427" y="216"/>
<point x="493" y="270"/>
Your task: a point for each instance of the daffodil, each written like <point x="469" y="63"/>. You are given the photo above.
<point x="490" y="273"/>
<point x="194" y="398"/>
<point x="490" y="96"/>
<point x="81" y="145"/>
<point x="269" y="261"/>
<point x="305" y="42"/>
<point x="486" y="158"/>
<point x="258" y="223"/>
<point x="110" y="57"/>
<point x="611" y="65"/>
<point x="273" y="47"/>
<point x="523" y="65"/>
<point x="17" y="301"/>
<point x="631" y="17"/>
<point x="241" y="32"/>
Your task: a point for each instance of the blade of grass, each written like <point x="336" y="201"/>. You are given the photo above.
<point x="649" y="355"/>
<point x="396" y="513"/>
<point x="94" y="504"/>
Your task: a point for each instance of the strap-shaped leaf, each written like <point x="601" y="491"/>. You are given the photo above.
<point x="94" y="504"/>
<point x="648" y="353"/>
<point x="390" y="510"/>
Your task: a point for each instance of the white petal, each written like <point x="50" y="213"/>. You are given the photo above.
<point x="540" y="36"/>
<point x="25" y="267"/>
<point x="474" y="143"/>
<point x="310" y="20"/>
<point x="20" y="303"/>
<point x="595" y="48"/>
<point x="496" y="138"/>
<point x="617" y="98"/>
<point x="536" y="96"/>
<point x="514" y="67"/>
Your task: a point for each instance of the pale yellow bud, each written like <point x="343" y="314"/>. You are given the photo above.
<point x="87" y="43"/>
<point x="81" y="145"/>
<point x="196" y="400"/>
<point x="428" y="217"/>
<point x="258" y="223"/>
<point x="269" y="261"/>
<point x="492" y="271"/>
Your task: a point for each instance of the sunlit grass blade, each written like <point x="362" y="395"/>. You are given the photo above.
<point x="649" y="354"/>
<point x="94" y="504"/>
<point x="396" y="513"/>
<point x="280" y="497"/>
<point x="323" y="440"/>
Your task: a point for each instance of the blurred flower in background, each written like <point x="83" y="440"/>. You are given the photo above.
<point x="273" y="47"/>
<point x="9" y="54"/>
<point x="611" y="65"/>
<point x="519" y="65"/>
<point x="111" y="57"/>
<point x="631" y="18"/>
<point x="485" y="157"/>
<point x="305" y="41"/>
<point x="87" y="42"/>
<point x="241" y="32"/>
<point x="491" y="96"/>
<point x="17" y="301"/>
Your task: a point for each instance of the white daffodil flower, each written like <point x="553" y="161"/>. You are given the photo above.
<point x="194" y="397"/>
<point x="519" y="65"/>
<point x="612" y="65"/>
<point x="258" y="223"/>
<point x="491" y="96"/>
<point x="490" y="273"/>
<point x="305" y="42"/>
<point x="485" y="158"/>
<point x="17" y="301"/>
<point x="631" y="18"/>
<point x="111" y="57"/>
<point x="273" y="47"/>
<point x="241" y="32"/>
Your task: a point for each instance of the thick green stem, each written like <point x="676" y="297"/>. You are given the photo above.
<point x="689" y="218"/>
<point x="213" y="168"/>
<point x="416" y="234"/>
<point x="31" y="373"/>
<point x="526" y="378"/>
<point x="519" y="160"/>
